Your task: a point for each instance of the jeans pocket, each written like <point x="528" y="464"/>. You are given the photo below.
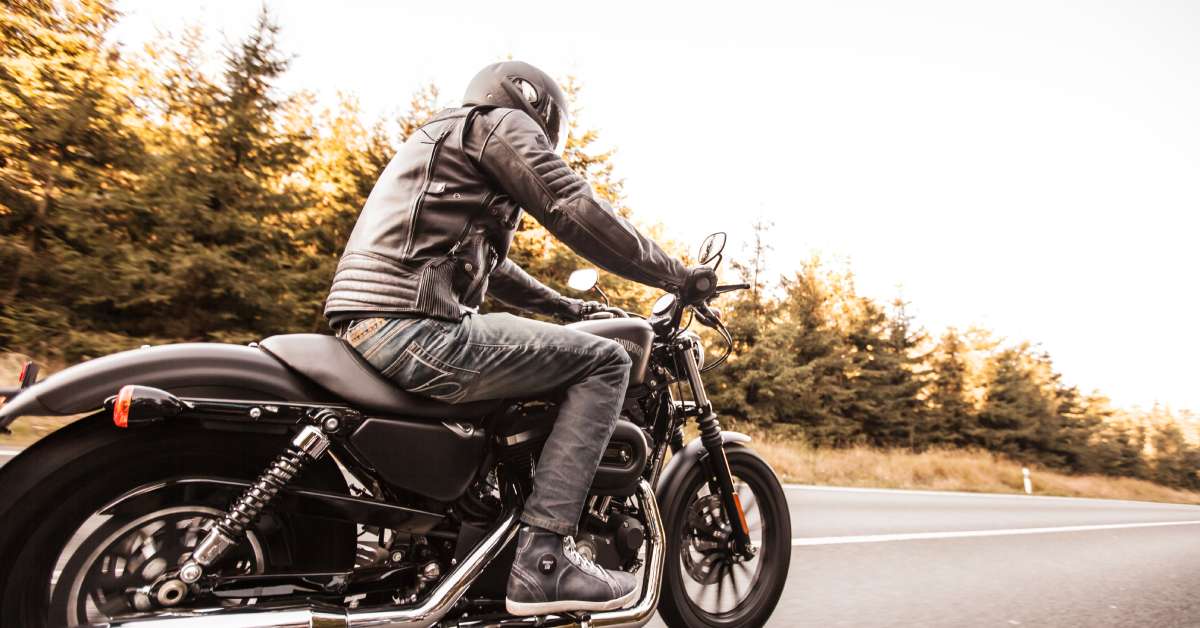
<point x="420" y="372"/>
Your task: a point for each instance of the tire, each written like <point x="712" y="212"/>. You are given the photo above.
<point x="51" y="489"/>
<point x="676" y="606"/>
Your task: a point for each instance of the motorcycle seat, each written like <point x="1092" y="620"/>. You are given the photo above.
<point x="334" y="365"/>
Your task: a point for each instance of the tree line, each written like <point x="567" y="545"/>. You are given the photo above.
<point x="146" y="198"/>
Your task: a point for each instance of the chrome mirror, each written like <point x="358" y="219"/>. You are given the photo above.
<point x="583" y="279"/>
<point x="711" y="248"/>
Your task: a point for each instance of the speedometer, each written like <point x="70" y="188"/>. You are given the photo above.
<point x="663" y="305"/>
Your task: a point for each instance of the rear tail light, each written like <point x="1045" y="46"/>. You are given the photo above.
<point x="28" y="376"/>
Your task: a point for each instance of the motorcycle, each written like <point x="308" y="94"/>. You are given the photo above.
<point x="286" y="483"/>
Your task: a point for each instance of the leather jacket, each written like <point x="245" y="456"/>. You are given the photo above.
<point x="436" y="229"/>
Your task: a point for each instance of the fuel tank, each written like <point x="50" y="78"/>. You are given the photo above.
<point x="634" y="334"/>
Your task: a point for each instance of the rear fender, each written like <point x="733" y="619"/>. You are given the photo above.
<point x="187" y="370"/>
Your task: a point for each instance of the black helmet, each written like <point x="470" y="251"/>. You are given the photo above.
<point x="518" y="85"/>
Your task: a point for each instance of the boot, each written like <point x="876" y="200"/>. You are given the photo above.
<point x="549" y="576"/>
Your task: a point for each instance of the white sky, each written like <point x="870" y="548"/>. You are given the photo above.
<point x="1033" y="167"/>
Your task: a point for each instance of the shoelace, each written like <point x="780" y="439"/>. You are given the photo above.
<point x="582" y="561"/>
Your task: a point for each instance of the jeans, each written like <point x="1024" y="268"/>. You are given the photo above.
<point x="501" y="356"/>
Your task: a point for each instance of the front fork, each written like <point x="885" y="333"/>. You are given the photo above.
<point x="714" y="462"/>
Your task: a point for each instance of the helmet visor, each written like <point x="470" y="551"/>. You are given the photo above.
<point x="557" y="122"/>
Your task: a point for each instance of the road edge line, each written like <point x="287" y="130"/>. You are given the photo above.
<point x="968" y="534"/>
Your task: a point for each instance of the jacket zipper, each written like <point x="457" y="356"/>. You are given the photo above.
<point x="416" y="213"/>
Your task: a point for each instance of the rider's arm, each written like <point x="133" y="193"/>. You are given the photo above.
<point x="512" y="285"/>
<point x="510" y="147"/>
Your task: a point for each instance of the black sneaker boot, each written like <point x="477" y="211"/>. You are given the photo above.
<point x="550" y="576"/>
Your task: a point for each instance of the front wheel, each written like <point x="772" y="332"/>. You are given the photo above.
<point x="706" y="583"/>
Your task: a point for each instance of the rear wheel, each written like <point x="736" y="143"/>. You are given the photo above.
<point x="71" y="564"/>
<point x="706" y="583"/>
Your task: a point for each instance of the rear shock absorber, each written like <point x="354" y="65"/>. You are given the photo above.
<point x="310" y="444"/>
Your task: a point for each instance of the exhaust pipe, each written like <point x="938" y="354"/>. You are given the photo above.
<point x="439" y="601"/>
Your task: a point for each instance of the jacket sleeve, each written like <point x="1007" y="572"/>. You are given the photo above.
<point x="516" y="154"/>
<point x="515" y="287"/>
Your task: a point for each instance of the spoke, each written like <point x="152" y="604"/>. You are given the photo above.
<point x="733" y="581"/>
<point x="714" y="593"/>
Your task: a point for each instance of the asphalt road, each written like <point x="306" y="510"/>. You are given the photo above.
<point x="863" y="557"/>
<point x="867" y="558"/>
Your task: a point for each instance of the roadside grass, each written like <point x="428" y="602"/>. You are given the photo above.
<point x="966" y="470"/>
<point x="939" y="470"/>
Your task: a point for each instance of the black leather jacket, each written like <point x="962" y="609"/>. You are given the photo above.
<point x="438" y="224"/>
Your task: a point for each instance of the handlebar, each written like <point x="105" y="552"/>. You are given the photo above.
<point x="598" y="311"/>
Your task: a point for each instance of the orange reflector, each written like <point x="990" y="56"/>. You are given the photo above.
<point x="121" y="408"/>
<point x="737" y="499"/>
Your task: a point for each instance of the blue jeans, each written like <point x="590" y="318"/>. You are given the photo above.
<point x="501" y="356"/>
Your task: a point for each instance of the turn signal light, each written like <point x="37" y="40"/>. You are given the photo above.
<point x="121" y="407"/>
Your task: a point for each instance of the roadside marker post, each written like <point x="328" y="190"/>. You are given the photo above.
<point x="1028" y="482"/>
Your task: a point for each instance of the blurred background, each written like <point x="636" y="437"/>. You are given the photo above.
<point x="969" y="227"/>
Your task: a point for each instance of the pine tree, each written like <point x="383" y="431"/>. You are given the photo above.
<point x="950" y="407"/>
<point x="68" y="162"/>
<point x="222" y="189"/>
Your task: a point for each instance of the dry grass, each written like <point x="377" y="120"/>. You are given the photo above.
<point x="945" y="470"/>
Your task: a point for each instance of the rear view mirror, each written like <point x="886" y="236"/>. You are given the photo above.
<point x="711" y="248"/>
<point x="583" y="279"/>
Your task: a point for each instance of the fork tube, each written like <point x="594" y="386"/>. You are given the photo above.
<point x="716" y="462"/>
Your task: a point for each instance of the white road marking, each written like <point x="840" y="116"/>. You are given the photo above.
<point x="967" y="534"/>
<point x="917" y="491"/>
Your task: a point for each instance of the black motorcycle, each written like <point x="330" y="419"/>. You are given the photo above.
<point x="286" y="483"/>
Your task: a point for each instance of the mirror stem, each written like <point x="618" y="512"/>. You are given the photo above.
<point x="603" y="297"/>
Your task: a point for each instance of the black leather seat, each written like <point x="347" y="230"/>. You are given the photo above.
<point x="335" y="365"/>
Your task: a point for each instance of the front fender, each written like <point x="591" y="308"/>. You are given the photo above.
<point x="679" y="464"/>
<point x="187" y="370"/>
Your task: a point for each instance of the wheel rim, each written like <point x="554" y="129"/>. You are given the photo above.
<point x="715" y="581"/>
<point x="111" y="580"/>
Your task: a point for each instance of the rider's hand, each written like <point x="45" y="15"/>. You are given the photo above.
<point x="575" y="309"/>
<point x="701" y="284"/>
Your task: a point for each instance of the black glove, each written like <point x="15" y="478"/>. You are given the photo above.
<point x="701" y="284"/>
<point x="573" y="310"/>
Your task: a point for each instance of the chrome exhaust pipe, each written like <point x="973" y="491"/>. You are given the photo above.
<point x="439" y="601"/>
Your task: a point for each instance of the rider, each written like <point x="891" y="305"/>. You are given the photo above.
<point x="432" y="238"/>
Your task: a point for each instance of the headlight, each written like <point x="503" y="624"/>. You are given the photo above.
<point x="697" y="347"/>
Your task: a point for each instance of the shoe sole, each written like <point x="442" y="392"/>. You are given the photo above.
<point x="526" y="609"/>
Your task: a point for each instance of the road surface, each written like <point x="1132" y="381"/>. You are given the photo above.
<point x="867" y="558"/>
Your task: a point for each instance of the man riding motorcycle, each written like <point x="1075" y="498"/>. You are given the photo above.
<point x="431" y="240"/>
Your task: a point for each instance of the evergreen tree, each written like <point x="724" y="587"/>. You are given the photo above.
<point x="950" y="408"/>
<point x="222" y="187"/>
<point x="68" y="165"/>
